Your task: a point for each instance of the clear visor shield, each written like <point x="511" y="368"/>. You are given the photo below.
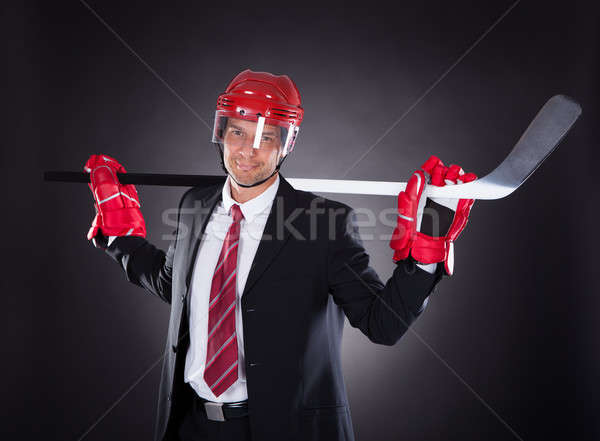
<point x="261" y="132"/>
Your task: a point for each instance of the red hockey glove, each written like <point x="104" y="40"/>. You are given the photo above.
<point x="431" y="240"/>
<point x="117" y="206"/>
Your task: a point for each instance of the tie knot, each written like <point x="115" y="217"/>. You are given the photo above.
<point x="236" y="212"/>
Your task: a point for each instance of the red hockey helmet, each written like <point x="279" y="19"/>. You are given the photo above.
<point x="271" y="101"/>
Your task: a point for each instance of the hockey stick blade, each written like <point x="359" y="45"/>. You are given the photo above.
<point x="544" y="134"/>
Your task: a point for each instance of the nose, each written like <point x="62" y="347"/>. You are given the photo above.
<point x="246" y="149"/>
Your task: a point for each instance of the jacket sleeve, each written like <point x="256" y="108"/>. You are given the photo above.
<point x="144" y="264"/>
<point x="382" y="312"/>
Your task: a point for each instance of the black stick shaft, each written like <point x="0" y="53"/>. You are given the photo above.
<point x="140" y="179"/>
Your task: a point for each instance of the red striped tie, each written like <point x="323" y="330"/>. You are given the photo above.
<point x="221" y="370"/>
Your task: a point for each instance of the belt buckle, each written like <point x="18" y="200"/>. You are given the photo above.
<point x="214" y="411"/>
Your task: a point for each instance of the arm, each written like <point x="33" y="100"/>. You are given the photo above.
<point x="382" y="312"/>
<point x="119" y="228"/>
<point x="144" y="264"/>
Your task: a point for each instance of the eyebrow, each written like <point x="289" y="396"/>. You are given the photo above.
<point x="270" y="132"/>
<point x="234" y="126"/>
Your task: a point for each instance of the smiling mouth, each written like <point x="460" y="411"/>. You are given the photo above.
<point x="245" y="167"/>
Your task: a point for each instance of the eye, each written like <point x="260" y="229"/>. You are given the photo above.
<point x="267" y="139"/>
<point x="237" y="132"/>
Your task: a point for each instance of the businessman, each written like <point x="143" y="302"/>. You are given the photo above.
<point x="259" y="277"/>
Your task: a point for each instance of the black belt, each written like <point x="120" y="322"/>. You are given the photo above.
<point x="221" y="411"/>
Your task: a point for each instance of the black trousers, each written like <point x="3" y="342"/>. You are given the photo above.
<point x="195" y="426"/>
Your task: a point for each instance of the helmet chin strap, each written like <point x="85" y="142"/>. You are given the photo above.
<point x="220" y="149"/>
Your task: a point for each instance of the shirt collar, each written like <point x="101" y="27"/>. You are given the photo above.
<point x="254" y="206"/>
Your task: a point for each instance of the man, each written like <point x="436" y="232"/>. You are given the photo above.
<point x="260" y="276"/>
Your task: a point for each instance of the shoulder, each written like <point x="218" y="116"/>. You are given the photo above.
<point x="335" y="216"/>
<point x="311" y="204"/>
<point x="307" y="199"/>
<point x="195" y="194"/>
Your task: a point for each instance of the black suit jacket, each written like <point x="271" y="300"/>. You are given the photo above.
<point x="309" y="271"/>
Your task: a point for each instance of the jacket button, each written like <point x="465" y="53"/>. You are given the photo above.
<point x="169" y="397"/>
<point x="183" y="297"/>
<point x="253" y="364"/>
<point x="250" y="310"/>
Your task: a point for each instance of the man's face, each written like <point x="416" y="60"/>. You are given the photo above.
<point x="247" y="164"/>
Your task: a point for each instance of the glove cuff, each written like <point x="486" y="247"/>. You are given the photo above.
<point x="428" y="249"/>
<point x="124" y="222"/>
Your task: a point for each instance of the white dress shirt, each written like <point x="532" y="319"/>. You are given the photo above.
<point x="255" y="213"/>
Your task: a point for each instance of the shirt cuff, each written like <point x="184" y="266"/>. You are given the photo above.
<point x="429" y="267"/>
<point x="110" y="239"/>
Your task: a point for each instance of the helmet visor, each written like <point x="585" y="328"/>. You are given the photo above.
<point x="258" y="132"/>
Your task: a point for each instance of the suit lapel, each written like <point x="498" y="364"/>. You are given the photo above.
<point x="197" y="227"/>
<point x="275" y="234"/>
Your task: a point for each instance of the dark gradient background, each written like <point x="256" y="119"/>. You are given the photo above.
<point x="518" y="321"/>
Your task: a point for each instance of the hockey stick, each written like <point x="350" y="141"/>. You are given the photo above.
<point x="543" y="135"/>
